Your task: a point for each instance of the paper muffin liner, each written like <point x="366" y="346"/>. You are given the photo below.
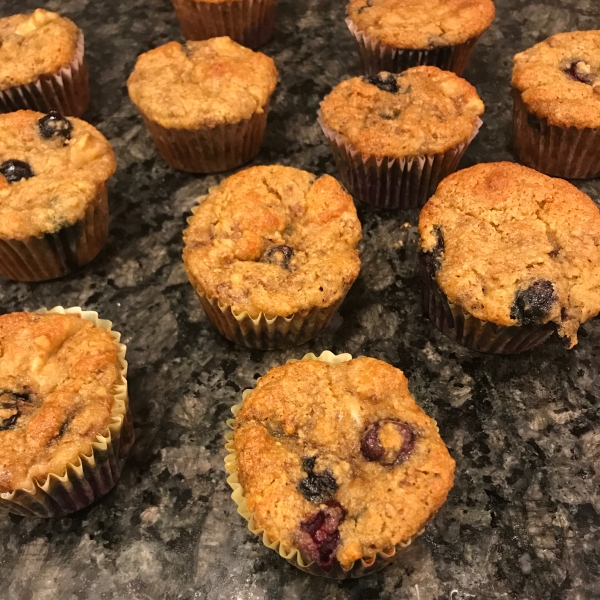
<point x="471" y="332"/>
<point x="392" y="183"/>
<point x="359" y="568"/>
<point x="66" y="91"/>
<point x="375" y="56"/>
<point x="91" y="475"/>
<point x="248" y="22"/>
<point x="558" y="151"/>
<point x="60" y="253"/>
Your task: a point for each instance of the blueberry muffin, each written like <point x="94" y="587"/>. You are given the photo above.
<point x="556" y="89"/>
<point x="337" y="463"/>
<point x="394" y="35"/>
<point x="42" y="64"/>
<point x="272" y="252"/>
<point x="205" y="103"/>
<point x="508" y="255"/>
<point x="394" y="137"/>
<point x="53" y="198"/>
<point x="65" y="429"/>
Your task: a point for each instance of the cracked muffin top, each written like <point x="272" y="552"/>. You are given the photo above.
<point x="422" y="24"/>
<point x="51" y="170"/>
<point x="57" y="382"/>
<point x="36" y="44"/>
<point x="559" y="79"/>
<point x="423" y="110"/>
<point x="202" y="84"/>
<point x="275" y="240"/>
<point x="338" y="461"/>
<point x="514" y="247"/>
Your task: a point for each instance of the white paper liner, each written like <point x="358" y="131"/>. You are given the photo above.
<point x="92" y="475"/>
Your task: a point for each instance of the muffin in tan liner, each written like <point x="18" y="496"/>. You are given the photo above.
<point x="271" y="253"/>
<point x="205" y="103"/>
<point x="56" y="80"/>
<point x="248" y="22"/>
<point x="362" y="565"/>
<point x="53" y="196"/>
<point x="92" y="474"/>
<point x="395" y="137"/>
<point x="507" y="256"/>
<point x="395" y="35"/>
<point x="556" y="91"/>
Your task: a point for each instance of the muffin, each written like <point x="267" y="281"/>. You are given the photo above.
<point x="272" y="252"/>
<point x="53" y="198"/>
<point x="556" y="90"/>
<point x="248" y="22"/>
<point x="394" y="35"/>
<point x="65" y="427"/>
<point x="394" y="137"/>
<point x="205" y="103"/>
<point x="334" y="463"/>
<point x="508" y="255"/>
<point x="42" y="64"/>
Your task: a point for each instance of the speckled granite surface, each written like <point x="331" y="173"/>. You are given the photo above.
<point x="523" y="520"/>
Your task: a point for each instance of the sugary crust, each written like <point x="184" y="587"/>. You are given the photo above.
<point x="234" y="229"/>
<point x="202" y="84"/>
<point x="67" y="175"/>
<point x="432" y="111"/>
<point x="422" y="24"/>
<point x="311" y="408"/>
<point x="35" y="44"/>
<point x="68" y="369"/>
<point x="547" y="89"/>
<point x="504" y="227"/>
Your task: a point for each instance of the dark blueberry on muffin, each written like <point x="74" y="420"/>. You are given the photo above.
<point x="388" y="442"/>
<point x="580" y="71"/>
<point x="385" y="84"/>
<point x="14" y="170"/>
<point x="53" y="125"/>
<point x="316" y="487"/>
<point x="533" y="303"/>
<point x="279" y="255"/>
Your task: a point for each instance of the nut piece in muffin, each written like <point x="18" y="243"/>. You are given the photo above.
<point x="338" y="461"/>
<point x="53" y="201"/>
<point x="514" y="247"/>
<point x="277" y="242"/>
<point x="204" y="103"/>
<point x="41" y="64"/>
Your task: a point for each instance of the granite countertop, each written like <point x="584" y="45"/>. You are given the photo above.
<point x="523" y="521"/>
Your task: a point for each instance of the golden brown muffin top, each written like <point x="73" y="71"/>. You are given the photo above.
<point x="515" y="247"/>
<point x="559" y="79"/>
<point x="345" y="444"/>
<point x="57" y="379"/>
<point x="422" y="24"/>
<point x="36" y="44"/>
<point x="51" y="169"/>
<point x="275" y="240"/>
<point x="424" y="110"/>
<point x="202" y="84"/>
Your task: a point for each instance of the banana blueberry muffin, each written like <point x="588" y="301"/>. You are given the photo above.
<point x="557" y="104"/>
<point x="338" y="461"/>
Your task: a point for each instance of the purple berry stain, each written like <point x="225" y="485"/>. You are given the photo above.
<point x="374" y="450"/>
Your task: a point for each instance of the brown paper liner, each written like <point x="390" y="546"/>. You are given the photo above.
<point x="392" y="183"/>
<point x="60" y="253"/>
<point x="66" y="91"/>
<point x="359" y="568"/>
<point x="248" y="22"/>
<point x="471" y="332"/>
<point x="558" y="151"/>
<point x="376" y="56"/>
<point x="91" y="475"/>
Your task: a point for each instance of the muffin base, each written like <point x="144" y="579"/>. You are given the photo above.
<point x="558" y="151"/>
<point x="66" y="91"/>
<point x="60" y="253"/>
<point x="92" y="475"/>
<point x="248" y="22"/>
<point x="471" y="332"/>
<point x="392" y="183"/>
<point x="359" y="568"/>
<point x="376" y="56"/>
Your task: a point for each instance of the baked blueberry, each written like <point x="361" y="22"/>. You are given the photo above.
<point x="579" y="70"/>
<point x="316" y="487"/>
<point x="14" y="170"/>
<point x="389" y="84"/>
<point x="368" y="4"/>
<point x="534" y="303"/>
<point x="54" y="125"/>
<point x="279" y="255"/>
<point x="388" y="442"/>
<point x="11" y="408"/>
<point x="433" y="257"/>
